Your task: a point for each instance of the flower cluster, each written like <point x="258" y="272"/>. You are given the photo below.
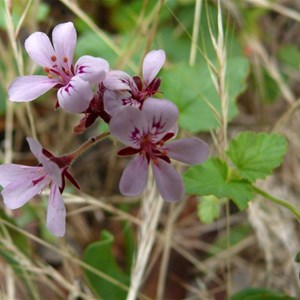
<point x="146" y="125"/>
<point x="74" y="82"/>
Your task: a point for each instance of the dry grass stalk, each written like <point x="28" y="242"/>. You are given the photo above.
<point x="272" y="68"/>
<point x="150" y="212"/>
<point x="277" y="7"/>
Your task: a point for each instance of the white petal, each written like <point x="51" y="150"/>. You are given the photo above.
<point x="56" y="213"/>
<point x="51" y="167"/>
<point x="11" y="172"/>
<point x="53" y="170"/>
<point x="35" y="147"/>
<point x="113" y="101"/>
<point x="25" y="187"/>
<point x="64" y="39"/>
<point x="76" y="96"/>
<point x="27" y="88"/>
<point x="134" y="177"/>
<point x="39" y="48"/>
<point x="152" y="64"/>
<point x="91" y="69"/>
<point x="118" y="80"/>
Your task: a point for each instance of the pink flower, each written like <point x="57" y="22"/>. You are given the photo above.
<point x="21" y="183"/>
<point x="73" y="82"/>
<point x="146" y="132"/>
<point x="123" y="90"/>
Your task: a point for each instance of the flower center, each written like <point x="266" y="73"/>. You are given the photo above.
<point x="153" y="150"/>
<point x="142" y="91"/>
<point x="60" y="70"/>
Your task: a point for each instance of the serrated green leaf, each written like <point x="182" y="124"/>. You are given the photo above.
<point x="209" y="208"/>
<point x="99" y="255"/>
<point x="211" y="178"/>
<point x="256" y="155"/>
<point x="259" y="294"/>
<point x="191" y="89"/>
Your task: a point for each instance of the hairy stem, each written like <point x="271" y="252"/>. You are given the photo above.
<point x="278" y="201"/>
<point x="87" y="145"/>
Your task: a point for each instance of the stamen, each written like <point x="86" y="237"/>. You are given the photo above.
<point x="50" y="76"/>
<point x="46" y="69"/>
<point x="53" y="58"/>
<point x="65" y="59"/>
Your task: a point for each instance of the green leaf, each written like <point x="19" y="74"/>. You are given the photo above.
<point x="103" y="126"/>
<point x="129" y="240"/>
<point x="3" y="97"/>
<point x="252" y="16"/>
<point x="297" y="258"/>
<point x="193" y="91"/>
<point x="176" y="47"/>
<point x="271" y="91"/>
<point x="211" y="178"/>
<point x="126" y="16"/>
<point x="99" y="255"/>
<point x="290" y="54"/>
<point x="256" y="154"/>
<point x="43" y="11"/>
<point x="259" y="294"/>
<point x="209" y="208"/>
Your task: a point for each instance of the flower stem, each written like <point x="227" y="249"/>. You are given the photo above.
<point x="87" y="145"/>
<point x="280" y="202"/>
